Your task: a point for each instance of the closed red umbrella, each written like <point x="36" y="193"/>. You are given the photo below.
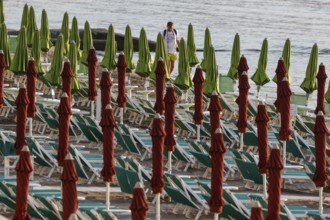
<point x="321" y="79"/>
<point x="31" y="76"/>
<point x="243" y="65"/>
<point x="64" y="114"/>
<point x="280" y="73"/>
<point x="2" y="75"/>
<point x="22" y="102"/>
<point x="67" y="78"/>
<point x="160" y="83"/>
<point x="199" y="91"/>
<point x="105" y="85"/>
<point x="92" y="62"/>
<point x="256" y="212"/>
<point x="139" y="205"/>
<point x="285" y="98"/>
<point x="215" y="109"/>
<point x="217" y="152"/>
<point x="275" y="168"/>
<point x="69" y="179"/>
<point x="262" y="120"/>
<point x="23" y="169"/>
<point x="121" y="99"/>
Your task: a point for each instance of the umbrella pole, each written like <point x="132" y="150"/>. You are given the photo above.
<point x="98" y="105"/>
<point x="264" y="185"/>
<point x="241" y="141"/>
<point x="158" y="206"/>
<point x="107" y="196"/>
<point x="121" y="115"/>
<point x="258" y="91"/>
<point x="284" y="153"/>
<point x="92" y="109"/>
<point x="53" y="92"/>
<point x="198" y="132"/>
<point x="321" y="201"/>
<point x="17" y="81"/>
<point x="30" y="127"/>
<point x="170" y="162"/>
<point x="216" y="216"/>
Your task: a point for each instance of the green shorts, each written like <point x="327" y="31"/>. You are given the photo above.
<point x="171" y="56"/>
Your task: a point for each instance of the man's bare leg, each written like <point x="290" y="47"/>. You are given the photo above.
<point x="172" y="62"/>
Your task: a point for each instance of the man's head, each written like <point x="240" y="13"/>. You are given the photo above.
<point x="170" y="26"/>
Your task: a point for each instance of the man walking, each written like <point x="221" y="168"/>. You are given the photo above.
<point x="172" y="43"/>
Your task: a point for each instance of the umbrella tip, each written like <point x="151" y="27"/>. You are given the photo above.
<point x="22" y="86"/>
<point x="243" y="55"/>
<point x="261" y="102"/>
<point x="138" y="185"/>
<point x="320" y="113"/>
<point x="276" y="147"/>
<point x="105" y="70"/>
<point x="157" y="116"/>
<point x="321" y="64"/>
<point x="108" y="106"/>
<point x="255" y="204"/>
<point x="284" y="79"/>
<point x="66" y="59"/>
<point x="281" y="58"/>
<point x="169" y="85"/>
<point x="73" y="216"/>
<point x="25" y="148"/>
<point x="121" y="53"/>
<point x="64" y="95"/>
<point x="218" y="131"/>
<point x="198" y="66"/>
<point x="160" y="59"/>
<point x="1" y="51"/>
<point x="72" y="41"/>
<point x="288" y="38"/>
<point x="68" y="157"/>
<point x="244" y="73"/>
<point x="215" y="92"/>
<point x="31" y="58"/>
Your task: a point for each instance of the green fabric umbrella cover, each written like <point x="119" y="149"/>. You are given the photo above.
<point x="191" y="47"/>
<point x="207" y="45"/>
<point x="45" y="42"/>
<point x="36" y="52"/>
<point x="211" y="78"/>
<point x="25" y="16"/>
<point x="160" y="52"/>
<point x="2" y="14"/>
<point x="235" y="57"/>
<point x="66" y="33"/>
<point x="129" y="49"/>
<point x="183" y="79"/>
<point x="309" y="83"/>
<point x="75" y="87"/>
<point x="54" y="74"/>
<point x="20" y="60"/>
<point x="87" y="44"/>
<point x="4" y="44"/>
<point x="286" y="55"/>
<point x="260" y="77"/>
<point x="327" y="94"/>
<point x="31" y="27"/>
<point x="74" y="36"/>
<point x="109" y="59"/>
<point x="143" y="67"/>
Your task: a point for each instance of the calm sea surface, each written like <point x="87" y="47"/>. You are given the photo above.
<point x="304" y="22"/>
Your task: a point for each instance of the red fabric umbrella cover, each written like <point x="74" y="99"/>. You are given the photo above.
<point x="275" y="168"/>
<point x="285" y="98"/>
<point x="262" y="120"/>
<point x="121" y="67"/>
<point x="242" y="66"/>
<point x="242" y="100"/>
<point x="23" y="169"/>
<point x="69" y="178"/>
<point x="158" y="137"/>
<point x="108" y="125"/>
<point x="256" y="213"/>
<point x="64" y="113"/>
<point x="105" y="86"/>
<point x="2" y="76"/>
<point x="67" y="79"/>
<point x="92" y="62"/>
<point x="320" y="130"/>
<point x="280" y="73"/>
<point x="139" y="205"/>
<point x="321" y="80"/>
<point x="160" y="83"/>
<point x="217" y="151"/>
<point x="170" y="101"/>
<point x="199" y="90"/>
<point x="31" y="75"/>
<point x="22" y="102"/>
<point x="215" y="109"/>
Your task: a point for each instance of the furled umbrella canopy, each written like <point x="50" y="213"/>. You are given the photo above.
<point x="286" y="55"/>
<point x="45" y="42"/>
<point x="280" y="73"/>
<point x="2" y="13"/>
<point x="109" y="59"/>
<point x="4" y="44"/>
<point x="158" y="137"/>
<point x="92" y="62"/>
<point x="22" y="102"/>
<point x="235" y="57"/>
<point x="242" y="100"/>
<point x="67" y="78"/>
<point x="160" y="84"/>
<point x="31" y="76"/>
<point x="191" y="47"/>
<point x="129" y="49"/>
<point x="139" y="205"/>
<point x="2" y="76"/>
<point x="54" y="74"/>
<point x="260" y="77"/>
<point x="321" y="79"/>
<point x="170" y="102"/>
<point x="87" y="43"/>
<point x="25" y="16"/>
<point x="215" y="109"/>
<point x="121" y="67"/>
<point x="198" y="91"/>
<point x="105" y="86"/>
<point x="74" y="36"/>
<point x="143" y="66"/>
<point x="31" y="27"/>
<point x="212" y="74"/>
<point x="69" y="179"/>
<point x="309" y="83"/>
<point x="256" y="211"/>
<point x="66" y="33"/>
<point x="262" y="120"/>
<point x="36" y="53"/>
<point x="75" y="87"/>
<point x="160" y="53"/>
<point x="23" y="169"/>
<point x="20" y="60"/>
<point x="183" y="79"/>
<point x="285" y="98"/>
<point x="207" y="45"/>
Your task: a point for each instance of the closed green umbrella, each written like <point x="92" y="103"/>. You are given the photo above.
<point x="36" y="53"/>
<point x="129" y="49"/>
<point x="183" y="79"/>
<point x="66" y="33"/>
<point x="45" y="42"/>
<point x="260" y="77"/>
<point x="4" y="44"/>
<point x="54" y="74"/>
<point x="88" y="43"/>
<point x="143" y="67"/>
<point x="109" y="59"/>
<point x="309" y="83"/>
<point x="2" y="14"/>
<point x="191" y="47"/>
<point x="212" y="77"/>
<point x="74" y="36"/>
<point x="207" y="45"/>
<point x="75" y="87"/>
<point x="235" y="57"/>
<point x="25" y="16"/>
<point x="20" y="60"/>
<point x="160" y="52"/>
<point x="31" y="27"/>
<point x="286" y="55"/>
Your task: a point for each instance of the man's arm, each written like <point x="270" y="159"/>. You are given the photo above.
<point x="178" y="43"/>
